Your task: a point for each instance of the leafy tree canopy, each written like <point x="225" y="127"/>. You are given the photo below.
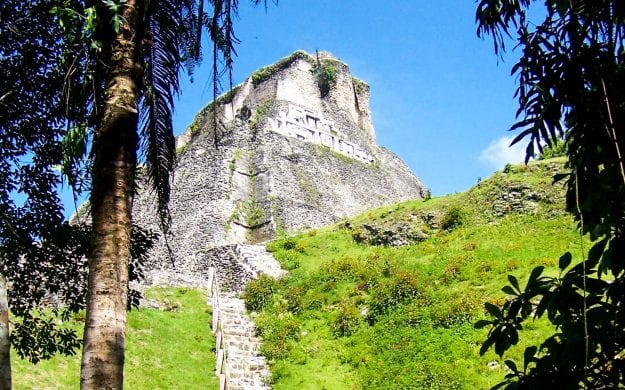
<point x="41" y="255"/>
<point x="571" y="76"/>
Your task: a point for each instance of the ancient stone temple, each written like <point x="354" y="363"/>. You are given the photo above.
<point x="293" y="147"/>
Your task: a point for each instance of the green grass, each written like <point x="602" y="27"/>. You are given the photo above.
<point x="419" y="301"/>
<point x="168" y="349"/>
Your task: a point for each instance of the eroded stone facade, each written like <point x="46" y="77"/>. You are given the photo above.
<point x="304" y="124"/>
<point x="283" y="158"/>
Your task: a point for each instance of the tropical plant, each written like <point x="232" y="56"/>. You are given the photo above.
<point x="132" y="57"/>
<point x="571" y="75"/>
<point x="119" y="62"/>
<point x="40" y="254"/>
<point x="557" y="149"/>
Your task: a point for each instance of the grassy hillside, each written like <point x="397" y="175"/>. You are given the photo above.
<point x="388" y="299"/>
<point x="165" y="349"/>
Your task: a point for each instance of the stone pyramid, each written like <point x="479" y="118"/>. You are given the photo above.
<point x="293" y="147"/>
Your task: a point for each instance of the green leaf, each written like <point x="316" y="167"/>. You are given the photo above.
<point x="565" y="261"/>
<point x="542" y="306"/>
<point x="91" y="18"/>
<point x="536" y="272"/>
<point x="487" y="344"/>
<point x="482" y="323"/>
<point x="594" y="254"/>
<point x="528" y="356"/>
<point x="514" y="337"/>
<point x="501" y="344"/>
<point x="493" y="310"/>
<point x="562" y="7"/>
<point x="514" y="282"/>
<point x="511" y="365"/>
<point x="509" y="290"/>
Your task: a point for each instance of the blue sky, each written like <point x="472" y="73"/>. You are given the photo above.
<point x="440" y="98"/>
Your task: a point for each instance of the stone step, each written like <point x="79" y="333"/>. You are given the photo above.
<point x="244" y="365"/>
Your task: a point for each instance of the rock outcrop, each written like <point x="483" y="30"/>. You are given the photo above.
<point x="293" y="147"/>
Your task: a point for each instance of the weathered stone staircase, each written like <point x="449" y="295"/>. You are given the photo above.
<point x="240" y="364"/>
<point x="257" y="260"/>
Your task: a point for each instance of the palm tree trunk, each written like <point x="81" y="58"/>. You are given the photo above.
<point x="115" y="160"/>
<point x="5" y="344"/>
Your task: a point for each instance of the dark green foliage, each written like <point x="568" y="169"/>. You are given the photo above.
<point x="347" y="317"/>
<point x="556" y="149"/>
<point x="289" y="244"/>
<point x="259" y="292"/>
<point x="454" y="217"/>
<point x="571" y="76"/>
<point x="56" y="61"/>
<point x="54" y="274"/>
<point x="389" y="293"/>
<point x="141" y="241"/>
<point x="325" y="72"/>
<point x="41" y="255"/>
<point x="38" y="337"/>
<point x="278" y="332"/>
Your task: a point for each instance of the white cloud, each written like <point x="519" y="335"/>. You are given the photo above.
<point x="499" y="153"/>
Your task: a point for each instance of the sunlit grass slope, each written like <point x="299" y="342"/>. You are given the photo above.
<point x="165" y="349"/>
<point x="352" y="316"/>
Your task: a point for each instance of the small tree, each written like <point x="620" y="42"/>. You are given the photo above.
<point x="40" y="255"/>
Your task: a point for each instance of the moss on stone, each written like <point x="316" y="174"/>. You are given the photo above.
<point x="199" y="120"/>
<point x="228" y="96"/>
<point x="311" y="193"/>
<point x="359" y="85"/>
<point x="261" y="112"/>
<point x="343" y="157"/>
<point x="264" y="74"/>
<point x="182" y="149"/>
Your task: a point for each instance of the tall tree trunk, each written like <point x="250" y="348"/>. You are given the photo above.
<point x="115" y="160"/>
<point x="5" y="343"/>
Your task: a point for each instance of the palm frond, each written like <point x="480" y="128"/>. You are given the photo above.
<point x="162" y="61"/>
<point x="173" y="39"/>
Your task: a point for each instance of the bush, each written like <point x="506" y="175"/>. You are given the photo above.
<point x="289" y="243"/>
<point x="289" y="261"/>
<point x="259" y="292"/>
<point x="557" y="149"/>
<point x="346" y="319"/>
<point x="400" y="288"/>
<point x="295" y="298"/>
<point x="454" y="217"/>
<point x="313" y="300"/>
<point x="358" y="235"/>
<point x="278" y="332"/>
<point x="301" y="246"/>
<point x="326" y="77"/>
<point x="456" y="309"/>
<point x="344" y="267"/>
